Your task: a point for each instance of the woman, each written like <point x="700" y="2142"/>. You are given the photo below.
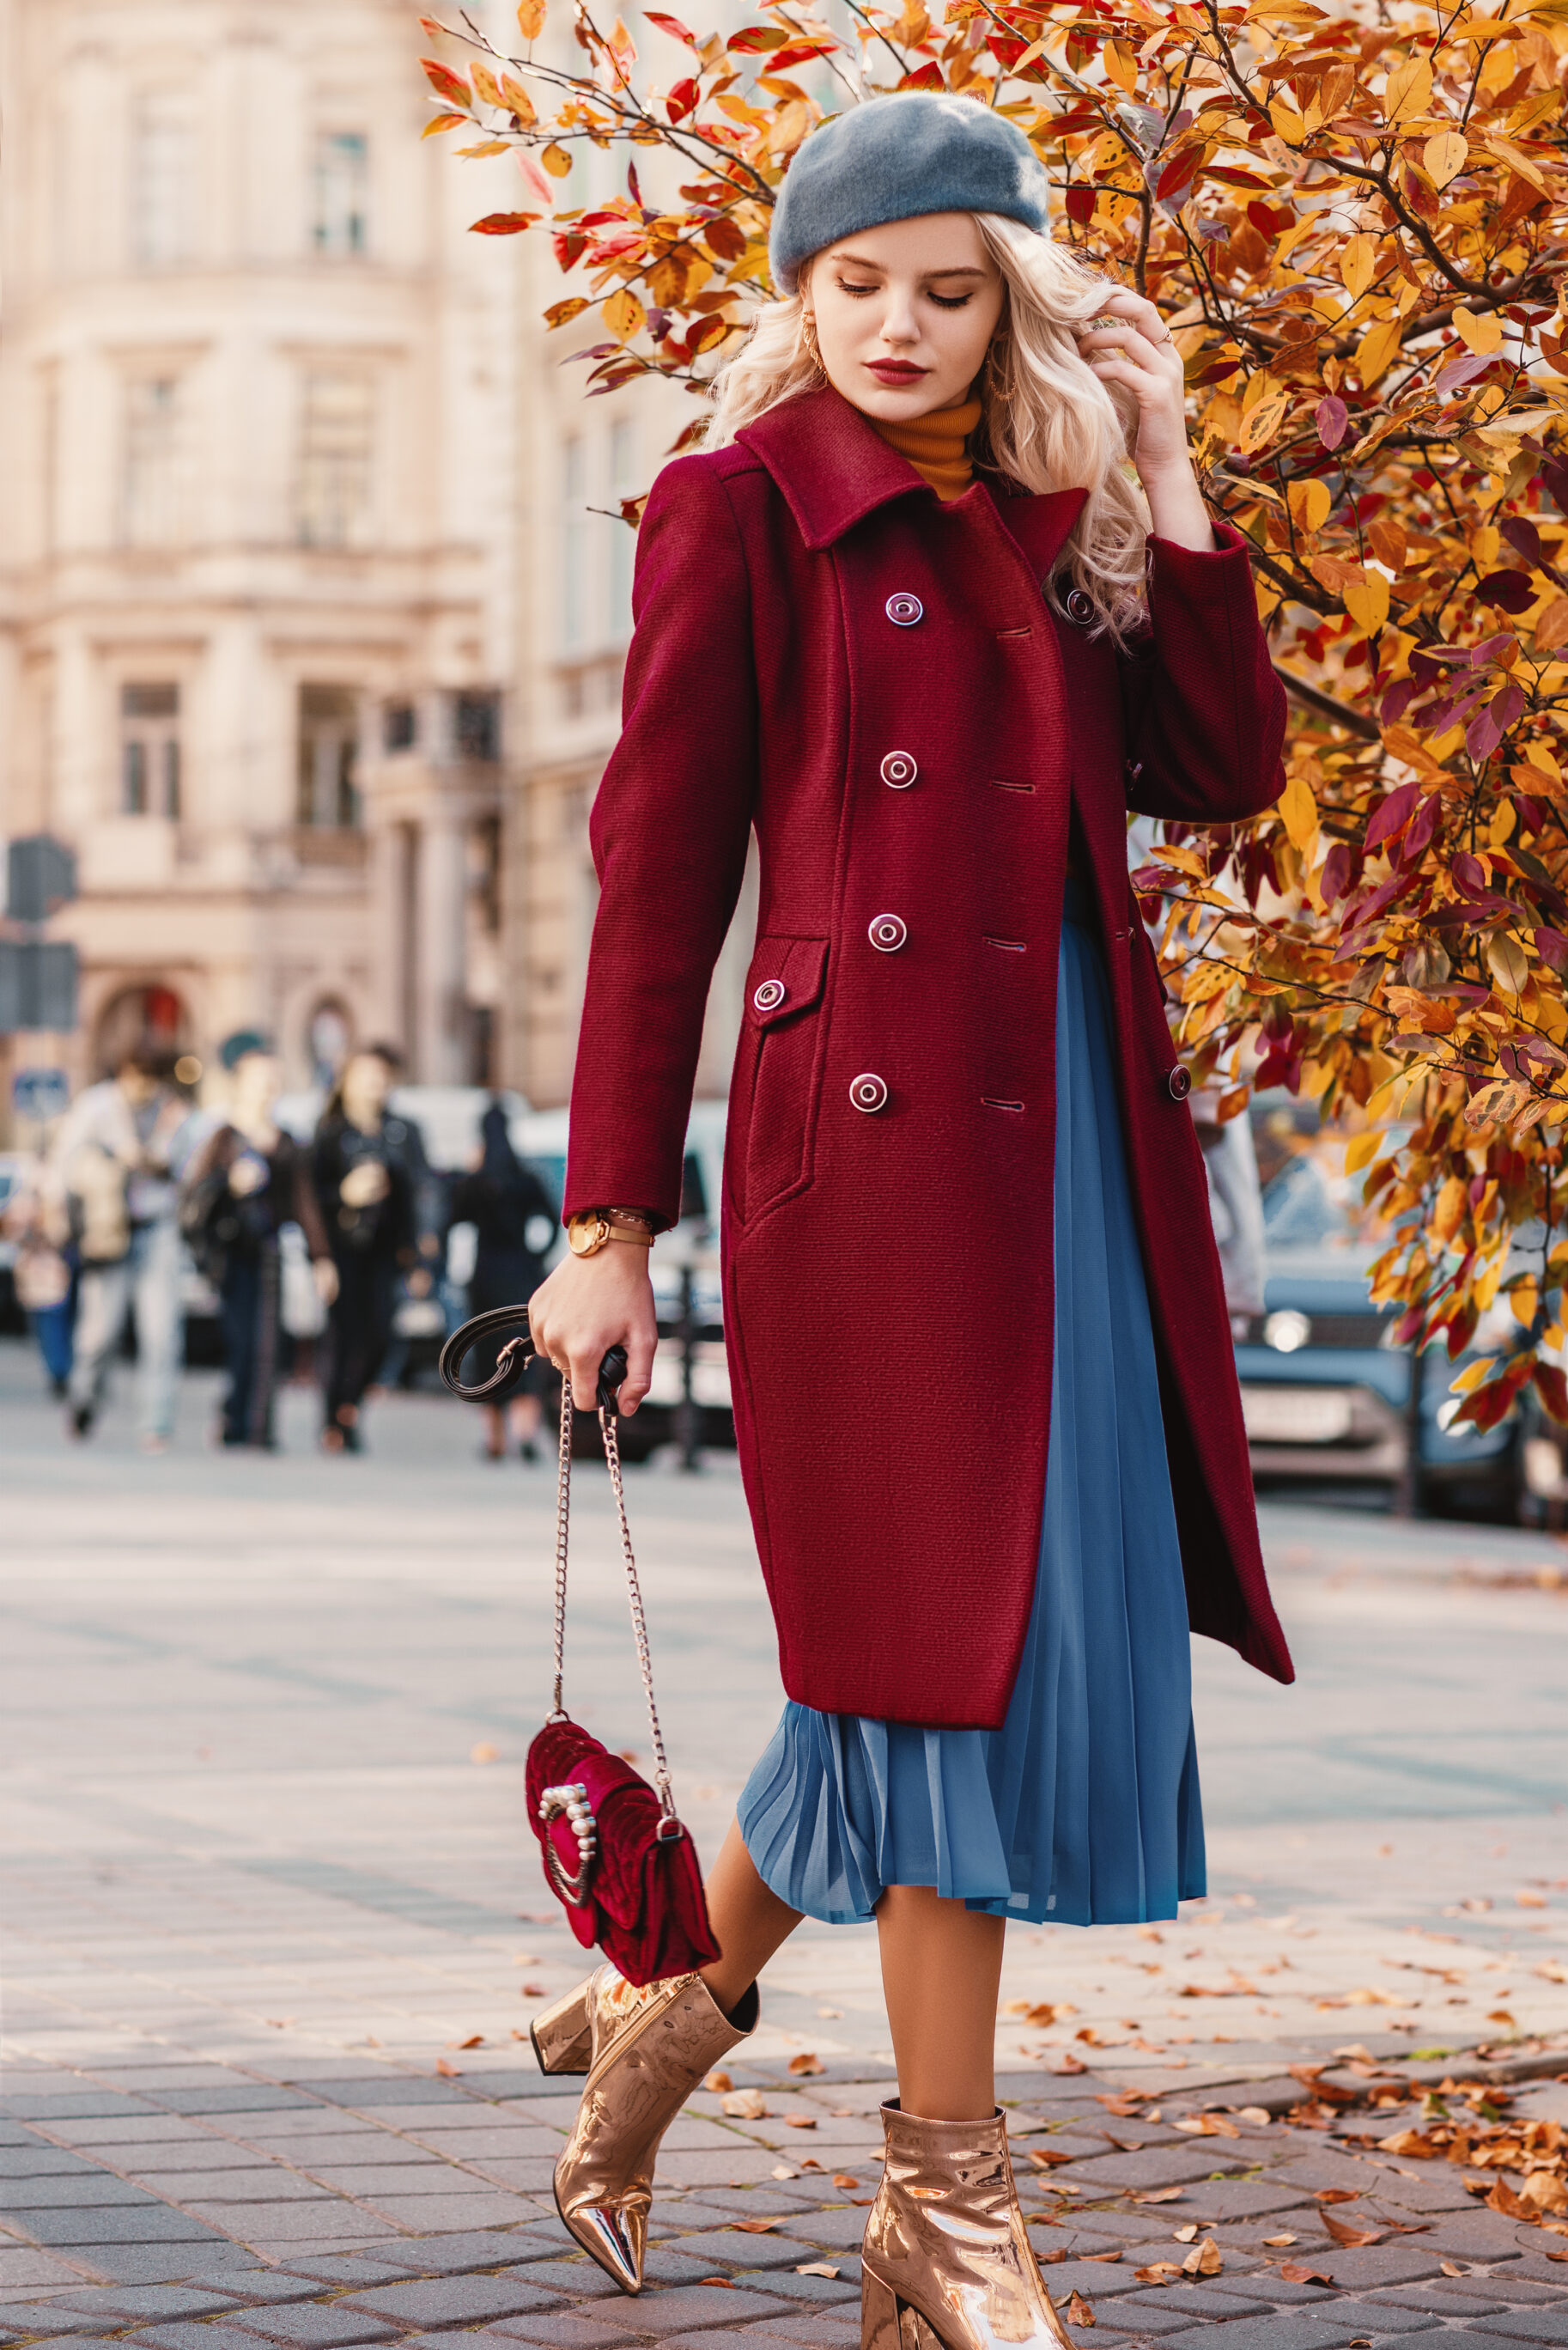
<point x="246" y="1182"/>
<point x="910" y="618"/>
<point x="366" y="1194"/>
<point x="505" y="1202"/>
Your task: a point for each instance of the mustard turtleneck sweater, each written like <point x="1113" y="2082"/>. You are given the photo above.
<point x="935" y="445"/>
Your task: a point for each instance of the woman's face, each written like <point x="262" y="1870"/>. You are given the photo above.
<point x="904" y="314"/>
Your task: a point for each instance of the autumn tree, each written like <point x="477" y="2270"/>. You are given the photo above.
<point x="1356" y="224"/>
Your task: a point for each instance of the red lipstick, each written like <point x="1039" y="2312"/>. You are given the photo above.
<point x="894" y="372"/>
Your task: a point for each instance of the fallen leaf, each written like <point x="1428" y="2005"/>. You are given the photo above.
<point x="1499" y="2015"/>
<point x="830" y="2014"/>
<point x="1530" y="1900"/>
<point x="782" y="2170"/>
<point x="1277" y="2240"/>
<point x="844" y="2179"/>
<point x="484" y="1752"/>
<point x="1351" y="2238"/>
<point x="1045" y="2157"/>
<point x="1552" y="1970"/>
<point x="1409" y="2141"/>
<point x="1451" y="2268"/>
<point x="1557" y="2256"/>
<point x="474" y="2040"/>
<point x="1337" y="2194"/>
<point x="1159" y="2273"/>
<point x="816" y="2268"/>
<point x="745" y="2106"/>
<point x="806" y="2063"/>
<point x="718" y="2083"/>
<point x="371" y="2041"/>
<point x="448" y="2071"/>
<point x="1293" y="2272"/>
<point x="757" y="2227"/>
<point x="1103" y="2257"/>
<point x="527" y="1959"/>
<point x="1159" y="2195"/>
<point x="728" y="2282"/>
<point x="800" y="2121"/>
<point x="1203" y="2259"/>
<point x="534" y="1990"/>
<point x="1049" y="2259"/>
<point x="1207" y="2125"/>
<point x="1069" y="2064"/>
<point x="1258" y="2115"/>
<point x="1513" y="2207"/>
<point x="1186" y="2235"/>
<point x="1079" y="2312"/>
<point x="809" y="2162"/>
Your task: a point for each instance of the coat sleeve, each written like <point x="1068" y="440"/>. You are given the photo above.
<point x="669" y="832"/>
<point x="1204" y="712"/>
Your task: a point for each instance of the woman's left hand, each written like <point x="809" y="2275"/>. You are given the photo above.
<point x="1130" y="344"/>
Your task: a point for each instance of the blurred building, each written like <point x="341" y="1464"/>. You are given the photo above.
<point x="257" y="554"/>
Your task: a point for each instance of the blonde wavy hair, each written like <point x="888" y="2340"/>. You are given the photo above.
<point x="1047" y="422"/>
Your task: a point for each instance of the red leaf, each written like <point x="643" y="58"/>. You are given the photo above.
<point x="1333" y="419"/>
<point x="1552" y="946"/>
<point x="449" y="85"/>
<point x="503" y="224"/>
<point x="1179" y="173"/>
<point x="1392" y="814"/>
<point x="1510" y="591"/>
<point x="1080" y="205"/>
<point x="672" y="25"/>
<point x="757" y="40"/>
<point x="1552" y="1389"/>
<point x="926" y="76"/>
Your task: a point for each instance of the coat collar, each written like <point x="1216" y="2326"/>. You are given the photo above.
<point x="832" y="468"/>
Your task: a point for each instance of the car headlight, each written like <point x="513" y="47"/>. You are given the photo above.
<point x="1286" y="1331"/>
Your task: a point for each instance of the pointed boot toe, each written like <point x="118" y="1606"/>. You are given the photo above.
<point x="650" y="2049"/>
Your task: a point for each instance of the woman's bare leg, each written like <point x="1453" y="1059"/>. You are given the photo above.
<point x="749" y="1922"/>
<point x="941" y="1971"/>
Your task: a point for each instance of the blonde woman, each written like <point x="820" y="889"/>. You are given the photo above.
<point x="911" y="618"/>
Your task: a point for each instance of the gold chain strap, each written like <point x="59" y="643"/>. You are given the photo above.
<point x="608" y="1430"/>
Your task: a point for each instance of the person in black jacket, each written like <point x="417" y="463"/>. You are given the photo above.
<point x="247" y="1180"/>
<point x="509" y="1209"/>
<point x="361" y="1169"/>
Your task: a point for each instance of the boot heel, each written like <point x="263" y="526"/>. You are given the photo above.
<point x="888" y="2324"/>
<point x="562" y="2034"/>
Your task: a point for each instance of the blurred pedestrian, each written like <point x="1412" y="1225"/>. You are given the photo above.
<point x="365" y="1193"/>
<point x="45" y="1275"/>
<point x="115" y="1167"/>
<point x="246" y="1182"/>
<point x="516" y="1220"/>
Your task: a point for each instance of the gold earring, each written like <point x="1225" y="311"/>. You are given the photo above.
<point x="808" y="336"/>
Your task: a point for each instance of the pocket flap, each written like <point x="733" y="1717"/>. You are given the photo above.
<point x="785" y="977"/>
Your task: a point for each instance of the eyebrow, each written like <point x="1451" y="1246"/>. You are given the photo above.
<point x="860" y="261"/>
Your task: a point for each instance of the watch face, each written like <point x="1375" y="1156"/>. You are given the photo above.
<point x="587" y="1236"/>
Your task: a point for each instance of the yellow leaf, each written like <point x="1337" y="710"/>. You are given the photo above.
<point x="555" y="160"/>
<point x="1376" y="348"/>
<point x="515" y="96"/>
<point x="1473" y="1376"/>
<point x="485" y="83"/>
<point x="1524" y="1300"/>
<point x="1298" y="811"/>
<point x="442" y="122"/>
<point x="1290" y="125"/>
<point x="1366" y="601"/>
<point x="1451" y="1207"/>
<point x="1361" y="1149"/>
<point x="1444" y="156"/>
<point x="1358" y="264"/>
<point x="1482" y="335"/>
<point x="1408" y="90"/>
<point x="1121" y="65"/>
<point x="1310" y="503"/>
<point x="624" y="315"/>
<point x="1260" y="424"/>
<point x="530" y="18"/>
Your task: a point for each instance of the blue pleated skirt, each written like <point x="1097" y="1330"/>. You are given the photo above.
<point x="1084" y="1808"/>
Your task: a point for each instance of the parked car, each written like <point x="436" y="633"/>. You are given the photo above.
<point x="1325" y="1392"/>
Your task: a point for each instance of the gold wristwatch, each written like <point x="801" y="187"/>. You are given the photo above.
<point x="594" y="1228"/>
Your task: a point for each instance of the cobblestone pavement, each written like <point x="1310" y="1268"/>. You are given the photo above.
<point x="272" y="1930"/>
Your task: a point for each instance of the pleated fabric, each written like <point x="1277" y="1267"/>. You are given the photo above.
<point x="1084" y="1808"/>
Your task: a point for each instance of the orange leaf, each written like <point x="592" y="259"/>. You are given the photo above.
<point x="1295" y="2273"/>
<point x="448" y="2071"/>
<point x="806" y="2063"/>
<point x="444" y="122"/>
<point x="843" y="2178"/>
<point x="504" y="224"/>
<point x="445" y="83"/>
<point x="1078" y="2311"/>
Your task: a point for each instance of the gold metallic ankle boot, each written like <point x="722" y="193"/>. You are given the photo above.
<point x="946" y="2250"/>
<point x="646" y="2051"/>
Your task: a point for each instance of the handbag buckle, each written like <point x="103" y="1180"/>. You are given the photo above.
<point x="572" y="1800"/>
<point x="669" y="1829"/>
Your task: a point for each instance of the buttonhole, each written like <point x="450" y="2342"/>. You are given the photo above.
<point x="1012" y="946"/>
<point x="1007" y="636"/>
<point x="1000" y="783"/>
<point x="989" y="1101"/>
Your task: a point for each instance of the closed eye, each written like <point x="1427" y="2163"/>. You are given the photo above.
<point x="950" y="301"/>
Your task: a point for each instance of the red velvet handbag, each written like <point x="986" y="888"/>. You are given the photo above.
<point x="613" y="1851"/>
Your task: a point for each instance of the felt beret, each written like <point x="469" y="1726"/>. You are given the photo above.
<point x="893" y="158"/>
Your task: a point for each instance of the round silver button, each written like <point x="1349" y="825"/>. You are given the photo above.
<point x="888" y="933"/>
<point x="898" y="770"/>
<point x="1078" y="607"/>
<point x="770" y="995"/>
<point x="869" y="1093"/>
<point x="905" y="610"/>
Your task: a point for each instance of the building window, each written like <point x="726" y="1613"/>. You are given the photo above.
<point x="340" y="185"/>
<point x="149" y="750"/>
<point x="153" y="489"/>
<point x="328" y="754"/>
<point x="162" y="156"/>
<point x="623" y="540"/>
<point x="400" y="726"/>
<point x="476" y="725"/>
<point x="335" y="459"/>
<point x="574" y="547"/>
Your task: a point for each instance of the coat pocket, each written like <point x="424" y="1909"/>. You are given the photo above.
<point x="775" y="1086"/>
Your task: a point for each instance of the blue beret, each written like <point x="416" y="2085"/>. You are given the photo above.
<point x="234" y="1049"/>
<point x="893" y="158"/>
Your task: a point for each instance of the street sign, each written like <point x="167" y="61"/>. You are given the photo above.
<point x="37" y="985"/>
<point x="40" y="1094"/>
<point x="40" y="878"/>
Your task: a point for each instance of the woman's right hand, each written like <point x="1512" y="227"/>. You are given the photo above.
<point x="590" y="1303"/>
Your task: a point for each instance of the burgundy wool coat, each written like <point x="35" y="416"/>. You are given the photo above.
<point x="874" y="681"/>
